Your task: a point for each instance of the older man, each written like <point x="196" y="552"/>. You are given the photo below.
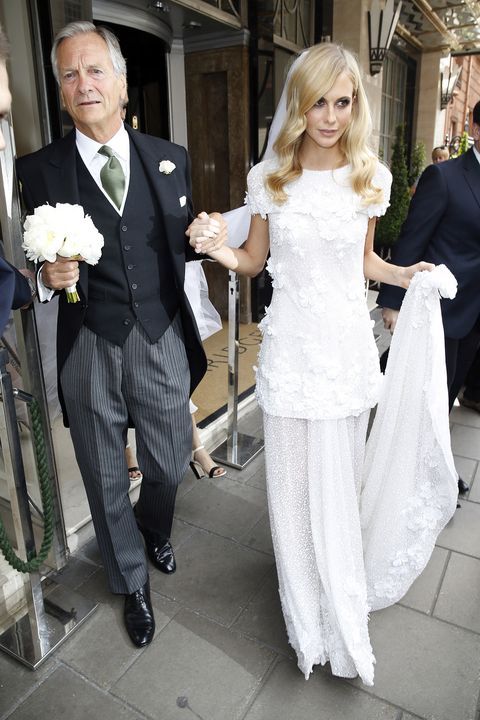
<point x="130" y="348"/>
<point x="443" y="226"/>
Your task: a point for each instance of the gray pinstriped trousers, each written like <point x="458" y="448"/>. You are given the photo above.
<point x="102" y="384"/>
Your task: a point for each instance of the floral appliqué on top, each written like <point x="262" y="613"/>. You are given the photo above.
<point x="318" y="358"/>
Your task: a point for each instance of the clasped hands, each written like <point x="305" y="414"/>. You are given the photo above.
<point x="207" y="233"/>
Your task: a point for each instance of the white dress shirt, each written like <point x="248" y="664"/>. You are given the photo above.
<point x="94" y="162"/>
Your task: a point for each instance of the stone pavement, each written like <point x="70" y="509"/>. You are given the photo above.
<point x="220" y="651"/>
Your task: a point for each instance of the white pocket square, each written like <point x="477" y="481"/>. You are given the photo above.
<point x="182" y="200"/>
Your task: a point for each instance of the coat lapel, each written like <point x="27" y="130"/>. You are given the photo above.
<point x="64" y="182"/>
<point x="168" y="188"/>
<point x="64" y="185"/>
<point x="472" y="174"/>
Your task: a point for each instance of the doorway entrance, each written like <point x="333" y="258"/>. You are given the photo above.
<point x="145" y="53"/>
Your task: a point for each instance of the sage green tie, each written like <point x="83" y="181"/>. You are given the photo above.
<point x="112" y="177"/>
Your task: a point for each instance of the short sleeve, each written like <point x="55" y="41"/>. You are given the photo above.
<point x="257" y="198"/>
<point x="383" y="180"/>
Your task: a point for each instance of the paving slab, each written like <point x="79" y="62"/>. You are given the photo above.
<point x="103" y="651"/>
<point x="465" y="416"/>
<point x="258" y="479"/>
<point x="462" y="533"/>
<point x="260" y="536"/>
<point x="263" y="618"/>
<point x="90" y="552"/>
<point x="459" y="598"/>
<point x="466" y="468"/>
<point x="65" y="694"/>
<point x="215" y="576"/>
<point x="75" y="572"/>
<point x="197" y="670"/>
<point x="96" y="589"/>
<point x="252" y="468"/>
<point x="223" y="506"/>
<point x="424" y="665"/>
<point x="17" y="681"/>
<point x="474" y="494"/>
<point x="423" y="592"/>
<point x="466" y="441"/>
<point x="181" y="531"/>
<point x="286" y="695"/>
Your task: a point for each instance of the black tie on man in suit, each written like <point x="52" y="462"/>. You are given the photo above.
<point x="443" y="226"/>
<point x="15" y="290"/>
<point x="130" y="348"/>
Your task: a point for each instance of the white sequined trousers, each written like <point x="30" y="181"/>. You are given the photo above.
<point x="314" y="475"/>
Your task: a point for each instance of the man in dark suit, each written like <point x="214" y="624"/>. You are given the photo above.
<point x="15" y="291"/>
<point x="443" y="226"/>
<point x="129" y="349"/>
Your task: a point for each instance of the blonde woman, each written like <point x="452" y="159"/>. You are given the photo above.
<point x="314" y="206"/>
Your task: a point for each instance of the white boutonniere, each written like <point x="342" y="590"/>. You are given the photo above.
<point x="166" y="167"/>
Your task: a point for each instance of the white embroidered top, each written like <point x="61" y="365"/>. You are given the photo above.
<point x="318" y="358"/>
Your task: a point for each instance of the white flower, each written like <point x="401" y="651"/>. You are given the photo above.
<point x="62" y="230"/>
<point x="166" y="167"/>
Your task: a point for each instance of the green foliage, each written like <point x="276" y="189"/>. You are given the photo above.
<point x="388" y="227"/>
<point x="417" y="163"/>
<point x="464" y="146"/>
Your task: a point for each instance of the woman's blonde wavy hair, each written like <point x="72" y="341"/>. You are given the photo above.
<point x="316" y="73"/>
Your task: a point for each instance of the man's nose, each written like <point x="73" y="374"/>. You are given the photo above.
<point x="84" y="82"/>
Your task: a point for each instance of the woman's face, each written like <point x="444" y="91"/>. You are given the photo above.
<point x="328" y="119"/>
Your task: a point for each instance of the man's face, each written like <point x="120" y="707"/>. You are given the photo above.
<point x="92" y="94"/>
<point x="5" y="99"/>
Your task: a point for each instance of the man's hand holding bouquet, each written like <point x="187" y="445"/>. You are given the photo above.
<point x="61" y="236"/>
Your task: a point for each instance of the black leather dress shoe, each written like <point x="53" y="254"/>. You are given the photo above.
<point x="159" y="552"/>
<point x="462" y="486"/>
<point x="162" y="556"/>
<point x="138" y="616"/>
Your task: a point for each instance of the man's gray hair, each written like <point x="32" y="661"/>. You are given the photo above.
<point x="77" y="28"/>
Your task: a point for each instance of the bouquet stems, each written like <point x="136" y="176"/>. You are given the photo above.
<point x="72" y="294"/>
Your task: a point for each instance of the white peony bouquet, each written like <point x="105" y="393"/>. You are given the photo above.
<point x="62" y="230"/>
